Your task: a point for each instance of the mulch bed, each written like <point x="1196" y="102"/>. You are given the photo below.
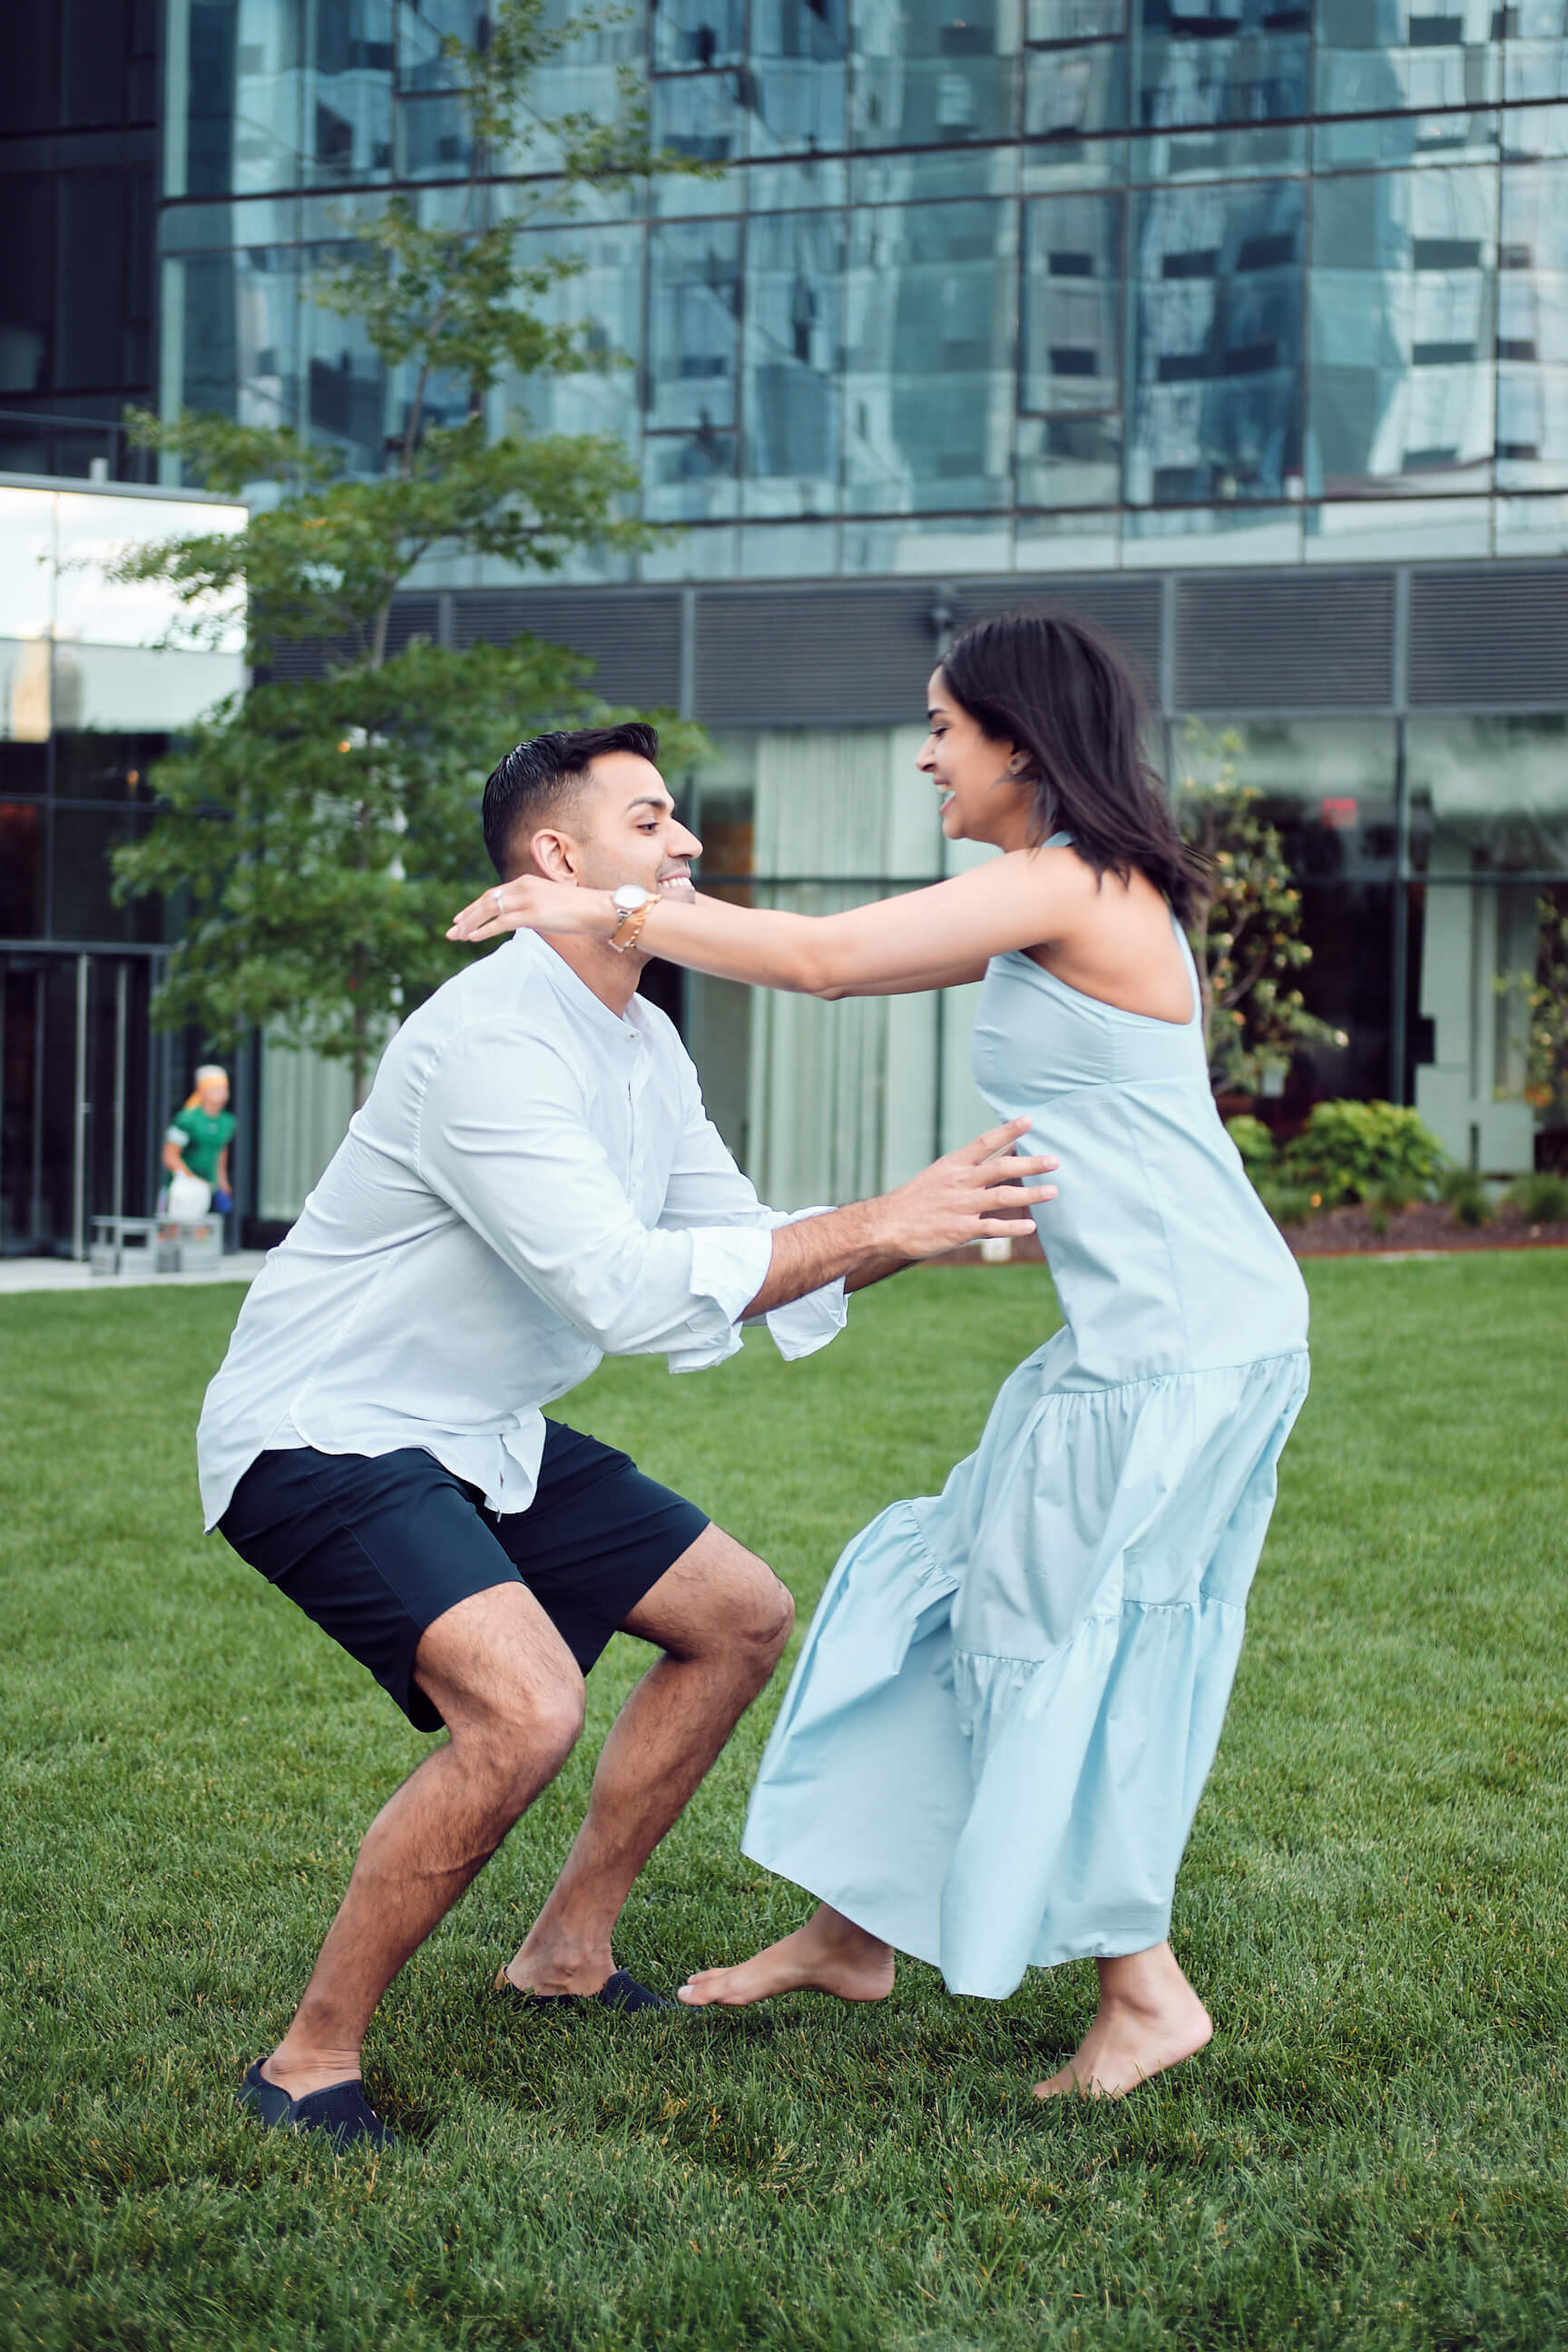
<point x="1427" y="1225"/>
<point x="1352" y="1233"/>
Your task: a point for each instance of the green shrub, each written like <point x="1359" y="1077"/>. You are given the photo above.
<point x="1287" y="1205"/>
<point x="1541" y="1200"/>
<point x="1256" y="1148"/>
<point x="1360" y="1151"/>
<point x="1467" y="1195"/>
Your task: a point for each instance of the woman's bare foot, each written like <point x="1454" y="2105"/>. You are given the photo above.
<point x="829" y="1954"/>
<point x="1149" y="2018"/>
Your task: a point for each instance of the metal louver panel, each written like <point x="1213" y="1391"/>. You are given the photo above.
<point x="1317" y="643"/>
<point x="1127" y="611"/>
<point x="297" y="658"/>
<point x="777" y="657"/>
<point x="1497" y="637"/>
<point x="633" y="640"/>
<point x="412" y="616"/>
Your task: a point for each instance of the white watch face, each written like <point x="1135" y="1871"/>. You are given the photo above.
<point x="629" y="898"/>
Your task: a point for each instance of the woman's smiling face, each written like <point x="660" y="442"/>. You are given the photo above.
<point x="983" y="798"/>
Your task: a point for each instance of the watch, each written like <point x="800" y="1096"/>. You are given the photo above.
<point x="631" y="903"/>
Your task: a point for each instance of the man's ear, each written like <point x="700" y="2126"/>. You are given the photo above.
<point x="554" y="854"/>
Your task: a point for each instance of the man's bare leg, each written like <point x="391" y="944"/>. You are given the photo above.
<point x="512" y="1698"/>
<point x="1149" y="2018"/>
<point x="829" y="1954"/>
<point x="721" y="1618"/>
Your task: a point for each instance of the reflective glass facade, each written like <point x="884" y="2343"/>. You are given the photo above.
<point x="1025" y="283"/>
<point x="89" y="700"/>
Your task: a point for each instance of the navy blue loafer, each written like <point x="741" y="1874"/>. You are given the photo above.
<point x="619" y="1991"/>
<point x="342" y="2110"/>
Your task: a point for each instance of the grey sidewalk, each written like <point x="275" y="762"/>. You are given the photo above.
<point x="26" y="1274"/>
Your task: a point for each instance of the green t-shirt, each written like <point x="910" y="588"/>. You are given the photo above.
<point x="202" y="1139"/>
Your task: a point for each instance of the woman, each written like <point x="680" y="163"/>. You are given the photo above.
<point x="995" y="1743"/>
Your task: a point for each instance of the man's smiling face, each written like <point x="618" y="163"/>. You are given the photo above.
<point x="621" y="826"/>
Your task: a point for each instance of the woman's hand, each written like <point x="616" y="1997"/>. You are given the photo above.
<point x="529" y="903"/>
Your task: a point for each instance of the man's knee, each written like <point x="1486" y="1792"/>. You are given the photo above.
<point x="518" y="1737"/>
<point x="776" y="1618"/>
<point x="718" y="1602"/>
<point x="764" y="1617"/>
<point x="508" y="1688"/>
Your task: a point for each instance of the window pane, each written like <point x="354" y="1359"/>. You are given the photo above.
<point x="106" y="767"/>
<point x="81" y="905"/>
<point x="1487" y="795"/>
<point x="1536" y="53"/>
<point x="1074" y="20"/>
<point x="1469" y="1046"/>
<point x="27" y="563"/>
<point x="1217" y="330"/>
<point x="244" y="97"/>
<point x="1402" y="369"/>
<point x="93" y="530"/>
<point x="24" y="768"/>
<point x="798" y="84"/>
<point x="690" y="476"/>
<point x="347" y="94"/>
<point x="1533" y="329"/>
<point x="925" y="75"/>
<point x="583" y="79"/>
<point x="1071" y="307"/>
<point x="238" y="349"/>
<point x="1380" y="56"/>
<point x="1384" y="142"/>
<point x="699" y="115"/>
<point x="794" y="342"/>
<point x="1070" y="92"/>
<point x="28" y="283"/>
<point x="694" y="301"/>
<point x="422" y="27"/>
<point x="126" y="690"/>
<point x="1259" y="74"/>
<point x="21" y="871"/>
<point x="1329" y="786"/>
<point x="606" y="299"/>
<point x="930" y="387"/>
<point x="433" y="141"/>
<point x="690" y="34"/>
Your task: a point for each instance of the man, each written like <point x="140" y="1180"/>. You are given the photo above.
<point x="532" y="1184"/>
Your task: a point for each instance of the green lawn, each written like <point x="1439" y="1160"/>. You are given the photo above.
<point x="1371" y="2153"/>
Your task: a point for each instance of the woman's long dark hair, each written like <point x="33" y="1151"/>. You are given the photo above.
<point x="1064" y="695"/>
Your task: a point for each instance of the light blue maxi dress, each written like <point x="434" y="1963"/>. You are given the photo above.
<point x="995" y="1740"/>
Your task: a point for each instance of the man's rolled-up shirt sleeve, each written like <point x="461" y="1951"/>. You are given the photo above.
<point x="707" y="1190"/>
<point x="504" y="1140"/>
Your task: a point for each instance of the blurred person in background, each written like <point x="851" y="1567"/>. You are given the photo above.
<point x="196" y="1141"/>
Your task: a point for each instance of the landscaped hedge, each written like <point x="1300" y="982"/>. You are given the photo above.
<point x="1347" y="1152"/>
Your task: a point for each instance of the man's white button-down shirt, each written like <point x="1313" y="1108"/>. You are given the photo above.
<point x="532" y="1184"/>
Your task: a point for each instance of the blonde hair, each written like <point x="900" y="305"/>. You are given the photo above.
<point x="204" y="1070"/>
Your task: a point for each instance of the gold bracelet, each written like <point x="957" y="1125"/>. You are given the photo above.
<point x="632" y="925"/>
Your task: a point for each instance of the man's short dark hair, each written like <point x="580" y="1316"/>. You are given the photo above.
<point x="535" y="779"/>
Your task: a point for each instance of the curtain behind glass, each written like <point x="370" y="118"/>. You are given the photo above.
<point x="844" y="1097"/>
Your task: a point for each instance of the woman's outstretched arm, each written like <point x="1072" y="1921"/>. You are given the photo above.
<point x="923" y="938"/>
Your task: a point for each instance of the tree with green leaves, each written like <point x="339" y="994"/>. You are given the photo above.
<point x="319" y="832"/>
<point x="1247" y="942"/>
<point x="1542" y="994"/>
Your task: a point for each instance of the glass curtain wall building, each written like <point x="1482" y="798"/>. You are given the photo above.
<point x="89" y="700"/>
<point x="1243" y="324"/>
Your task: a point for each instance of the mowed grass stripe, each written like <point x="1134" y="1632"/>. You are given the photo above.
<point x="1372" y="2154"/>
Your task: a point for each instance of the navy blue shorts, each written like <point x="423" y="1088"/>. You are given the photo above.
<point x="376" y="1548"/>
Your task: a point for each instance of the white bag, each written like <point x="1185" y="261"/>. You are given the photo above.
<point x="189" y="1200"/>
